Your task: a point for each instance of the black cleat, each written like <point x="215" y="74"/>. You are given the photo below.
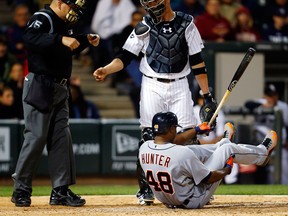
<point x="145" y="197"/>
<point x="21" y="198"/>
<point x="64" y="196"/>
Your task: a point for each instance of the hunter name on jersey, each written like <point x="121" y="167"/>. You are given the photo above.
<point x="158" y="159"/>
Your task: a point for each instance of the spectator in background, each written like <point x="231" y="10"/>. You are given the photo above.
<point x="16" y="84"/>
<point x="260" y="11"/>
<point x="124" y="81"/>
<point x="244" y="30"/>
<point x="15" y="32"/>
<point x="6" y="60"/>
<point x="7" y="110"/>
<point x="192" y="7"/>
<point x="211" y="25"/>
<point x="110" y="17"/>
<point x="228" y="10"/>
<point x="277" y="31"/>
<point x="119" y="39"/>
<point x="264" y="122"/>
<point x="31" y="4"/>
<point x="79" y="107"/>
<point x="280" y="5"/>
<point x="133" y="75"/>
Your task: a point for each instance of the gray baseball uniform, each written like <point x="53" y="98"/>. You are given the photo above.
<point x="176" y="178"/>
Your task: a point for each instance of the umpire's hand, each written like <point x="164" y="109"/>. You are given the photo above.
<point x="70" y="42"/>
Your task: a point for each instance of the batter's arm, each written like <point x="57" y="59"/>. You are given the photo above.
<point x="217" y="175"/>
<point x="221" y="173"/>
<point x="183" y="137"/>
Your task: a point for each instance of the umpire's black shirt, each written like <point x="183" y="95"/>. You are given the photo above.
<point x="43" y="39"/>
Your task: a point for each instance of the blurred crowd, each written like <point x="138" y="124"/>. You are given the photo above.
<point x="113" y="20"/>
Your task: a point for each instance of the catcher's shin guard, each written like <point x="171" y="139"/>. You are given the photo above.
<point x="145" y="194"/>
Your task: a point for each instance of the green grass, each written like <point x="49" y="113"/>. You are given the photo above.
<point x="132" y="189"/>
<point x="252" y="190"/>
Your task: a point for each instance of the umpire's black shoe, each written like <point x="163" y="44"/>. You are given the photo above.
<point x="64" y="196"/>
<point x="21" y="198"/>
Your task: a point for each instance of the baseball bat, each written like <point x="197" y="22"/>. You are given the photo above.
<point x="237" y="75"/>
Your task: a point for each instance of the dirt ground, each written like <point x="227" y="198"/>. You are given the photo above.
<point x="127" y="205"/>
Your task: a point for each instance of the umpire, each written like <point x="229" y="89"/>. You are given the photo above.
<point x="51" y="42"/>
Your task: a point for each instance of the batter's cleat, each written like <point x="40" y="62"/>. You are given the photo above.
<point x="64" y="196"/>
<point x="270" y="142"/>
<point x="21" y="198"/>
<point x="229" y="131"/>
<point x="145" y="197"/>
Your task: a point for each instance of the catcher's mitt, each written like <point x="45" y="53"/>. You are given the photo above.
<point x="208" y="109"/>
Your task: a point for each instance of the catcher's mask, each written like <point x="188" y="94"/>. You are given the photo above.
<point x="155" y="8"/>
<point x="76" y="11"/>
<point x="163" y="121"/>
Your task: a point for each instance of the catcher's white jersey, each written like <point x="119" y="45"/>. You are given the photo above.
<point x="175" y="172"/>
<point x="157" y="96"/>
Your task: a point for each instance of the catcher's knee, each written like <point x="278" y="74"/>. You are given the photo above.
<point x="146" y="134"/>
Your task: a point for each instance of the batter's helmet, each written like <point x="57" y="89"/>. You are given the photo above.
<point x="155" y="8"/>
<point x="76" y="11"/>
<point x="162" y="121"/>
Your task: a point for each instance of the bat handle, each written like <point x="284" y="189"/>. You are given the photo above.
<point x="214" y="116"/>
<point x="227" y="93"/>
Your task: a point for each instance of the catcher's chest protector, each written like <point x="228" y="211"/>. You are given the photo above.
<point x="167" y="51"/>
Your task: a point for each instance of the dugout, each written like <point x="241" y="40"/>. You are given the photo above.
<point x="9" y="145"/>
<point x="86" y="146"/>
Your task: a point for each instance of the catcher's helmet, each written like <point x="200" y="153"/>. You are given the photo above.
<point x="76" y="11"/>
<point x="155" y="8"/>
<point x="162" y="121"/>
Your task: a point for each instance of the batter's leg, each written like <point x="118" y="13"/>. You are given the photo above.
<point x="244" y="154"/>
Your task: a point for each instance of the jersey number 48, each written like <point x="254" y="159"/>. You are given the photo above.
<point x="164" y="182"/>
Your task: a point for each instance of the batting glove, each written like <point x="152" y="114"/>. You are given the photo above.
<point x="203" y="128"/>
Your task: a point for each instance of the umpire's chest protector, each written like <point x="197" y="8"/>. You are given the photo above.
<point x="167" y="51"/>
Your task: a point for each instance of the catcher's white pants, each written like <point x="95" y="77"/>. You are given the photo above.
<point x="158" y="96"/>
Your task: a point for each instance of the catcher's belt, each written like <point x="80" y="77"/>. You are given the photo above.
<point x="165" y="80"/>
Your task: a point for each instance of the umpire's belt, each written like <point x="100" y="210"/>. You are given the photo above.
<point x="165" y="80"/>
<point x="61" y="81"/>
